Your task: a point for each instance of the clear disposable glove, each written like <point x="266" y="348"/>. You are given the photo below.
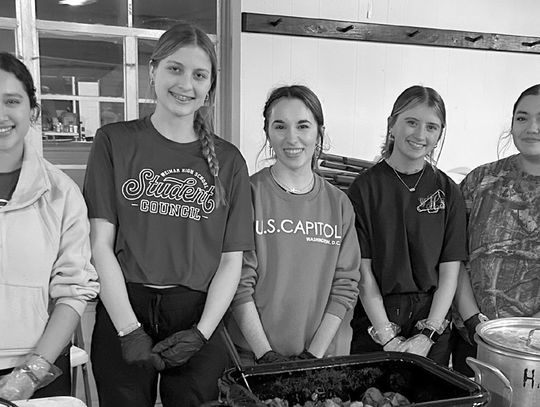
<point x="383" y="334"/>
<point x="272" y="357"/>
<point x="418" y="344"/>
<point x="178" y="348"/>
<point x="137" y="350"/>
<point x="394" y="344"/>
<point x="24" y="380"/>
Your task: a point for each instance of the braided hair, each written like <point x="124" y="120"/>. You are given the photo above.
<point x="181" y="35"/>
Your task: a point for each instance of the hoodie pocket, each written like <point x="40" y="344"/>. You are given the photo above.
<point x="23" y="317"/>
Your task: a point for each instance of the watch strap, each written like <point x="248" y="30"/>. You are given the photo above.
<point x="431" y="334"/>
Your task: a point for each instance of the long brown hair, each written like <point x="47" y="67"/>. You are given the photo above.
<point x="183" y="35"/>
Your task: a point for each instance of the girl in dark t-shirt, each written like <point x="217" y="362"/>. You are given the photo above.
<point x="170" y="213"/>
<point x="411" y="228"/>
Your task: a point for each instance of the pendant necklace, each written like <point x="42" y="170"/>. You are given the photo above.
<point x="293" y="190"/>
<point x="411" y="189"/>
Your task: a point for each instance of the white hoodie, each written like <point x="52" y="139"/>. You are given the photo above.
<point x="44" y="255"/>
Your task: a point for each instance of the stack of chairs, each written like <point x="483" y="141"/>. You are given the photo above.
<point x="340" y="170"/>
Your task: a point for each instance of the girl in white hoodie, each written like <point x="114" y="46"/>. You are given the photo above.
<point x="45" y="271"/>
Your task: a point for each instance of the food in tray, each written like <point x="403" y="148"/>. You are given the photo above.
<point x="371" y="398"/>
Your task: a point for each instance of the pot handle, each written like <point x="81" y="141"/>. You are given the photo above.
<point x="480" y="368"/>
<point x="529" y="342"/>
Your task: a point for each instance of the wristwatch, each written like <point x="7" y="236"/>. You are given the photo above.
<point x="431" y="334"/>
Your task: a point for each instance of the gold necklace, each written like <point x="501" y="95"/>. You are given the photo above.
<point x="293" y="190"/>
<point x="411" y="189"/>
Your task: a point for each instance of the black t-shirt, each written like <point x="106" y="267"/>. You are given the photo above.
<point x="8" y="182"/>
<point x="408" y="234"/>
<point x="159" y="195"/>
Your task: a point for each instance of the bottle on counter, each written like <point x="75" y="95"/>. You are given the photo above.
<point x="82" y="132"/>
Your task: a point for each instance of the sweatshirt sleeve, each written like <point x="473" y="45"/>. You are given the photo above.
<point x="344" y="292"/>
<point x="74" y="280"/>
<point x="248" y="279"/>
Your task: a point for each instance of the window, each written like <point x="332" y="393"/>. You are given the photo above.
<point x="82" y="83"/>
<point x="109" y="12"/>
<point x="7" y="8"/>
<point x="7" y="40"/>
<point x="161" y="14"/>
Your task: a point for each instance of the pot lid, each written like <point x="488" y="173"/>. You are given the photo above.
<point x="519" y="334"/>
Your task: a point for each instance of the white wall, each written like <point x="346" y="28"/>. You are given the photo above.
<point x="358" y="82"/>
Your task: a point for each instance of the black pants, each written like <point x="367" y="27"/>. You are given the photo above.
<point x="404" y="310"/>
<point x="61" y="386"/>
<point x="162" y="312"/>
<point x="460" y="350"/>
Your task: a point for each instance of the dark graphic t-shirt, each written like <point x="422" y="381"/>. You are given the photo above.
<point x="407" y="234"/>
<point x="160" y="196"/>
<point x="8" y="182"/>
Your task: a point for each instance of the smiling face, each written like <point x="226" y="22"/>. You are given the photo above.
<point x="416" y="132"/>
<point x="182" y="81"/>
<point x="526" y="127"/>
<point x="15" y="114"/>
<point x="293" y="134"/>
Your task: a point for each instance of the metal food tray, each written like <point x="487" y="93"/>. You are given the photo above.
<point x="419" y="379"/>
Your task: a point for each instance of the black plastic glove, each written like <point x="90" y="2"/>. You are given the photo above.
<point x="272" y="357"/>
<point x="24" y="380"/>
<point x="178" y="348"/>
<point x="306" y="355"/>
<point x="137" y="350"/>
<point x="472" y="323"/>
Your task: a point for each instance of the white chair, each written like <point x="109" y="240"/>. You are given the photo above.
<point x="79" y="359"/>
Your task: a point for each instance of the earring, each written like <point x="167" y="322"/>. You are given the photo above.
<point x="152" y="81"/>
<point x="390" y="136"/>
<point x="207" y="98"/>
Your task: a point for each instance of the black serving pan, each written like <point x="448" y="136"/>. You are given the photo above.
<point x="419" y="379"/>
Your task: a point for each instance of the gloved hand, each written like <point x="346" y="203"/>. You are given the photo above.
<point x="272" y="357"/>
<point x="24" y="380"/>
<point x="418" y="344"/>
<point x="306" y="355"/>
<point x="394" y="344"/>
<point x="384" y="334"/>
<point x="178" y="348"/>
<point x="472" y="323"/>
<point x="137" y="350"/>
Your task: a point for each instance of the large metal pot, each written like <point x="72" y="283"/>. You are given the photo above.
<point x="509" y="360"/>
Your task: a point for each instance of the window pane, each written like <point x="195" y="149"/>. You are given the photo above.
<point x="7" y="40"/>
<point x="145" y="48"/>
<point x="146" y="109"/>
<point x="111" y="112"/>
<point x="83" y="11"/>
<point x="81" y="65"/>
<point x="60" y="119"/>
<point x="7" y="8"/>
<point x="161" y="14"/>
